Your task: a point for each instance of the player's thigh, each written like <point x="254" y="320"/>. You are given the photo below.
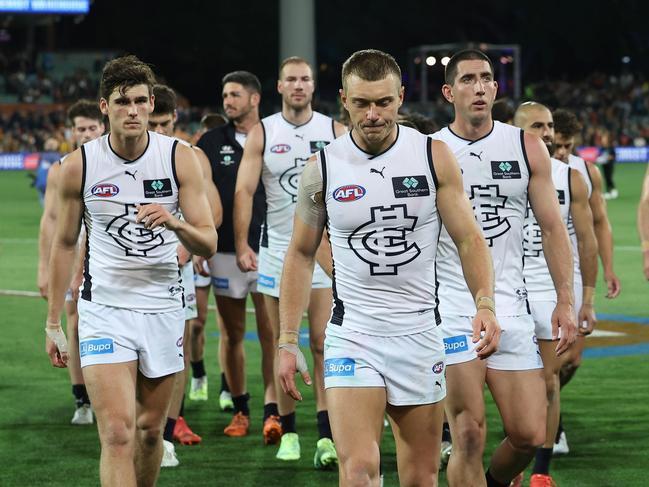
<point x="233" y="314"/>
<point x="465" y="391"/>
<point x="264" y="328"/>
<point x="319" y="311"/>
<point x="202" y="299"/>
<point x="154" y="395"/>
<point x="418" y="433"/>
<point x="520" y="396"/>
<point x="272" y="308"/>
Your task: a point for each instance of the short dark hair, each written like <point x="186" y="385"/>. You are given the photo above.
<point x="450" y="72"/>
<point x="566" y="123"/>
<point x="502" y="111"/>
<point x="213" y="120"/>
<point x="294" y="60"/>
<point x="165" y="100"/>
<point x="418" y="122"/>
<point x="85" y="108"/>
<point x="123" y="73"/>
<point x="246" y="79"/>
<point x="370" y="65"/>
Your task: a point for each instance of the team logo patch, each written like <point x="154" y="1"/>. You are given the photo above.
<point x="290" y="179"/>
<point x="505" y="170"/>
<point x="266" y="281"/>
<point x="175" y="290"/>
<point x="316" y="145"/>
<point x="410" y="186"/>
<point x="221" y="282"/>
<point x="98" y="346"/>
<point x="349" y="192"/>
<point x="179" y="342"/>
<point x="339" y="367"/>
<point x="157" y="188"/>
<point x="280" y="148"/>
<point x="521" y="293"/>
<point x="134" y="238"/>
<point x="438" y="367"/>
<point x="456" y="344"/>
<point x="104" y="190"/>
<point x="561" y="194"/>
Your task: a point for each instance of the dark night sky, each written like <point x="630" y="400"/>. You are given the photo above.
<point x="193" y="43"/>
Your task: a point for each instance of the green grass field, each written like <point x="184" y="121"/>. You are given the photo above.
<point x="606" y="408"/>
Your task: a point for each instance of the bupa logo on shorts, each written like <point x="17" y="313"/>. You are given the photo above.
<point x="96" y="347"/>
<point x="266" y="281"/>
<point x="410" y="186"/>
<point x="104" y="190"/>
<point x="349" y="192"/>
<point x="456" y="344"/>
<point x="157" y="188"/>
<point x="316" y="145"/>
<point x="339" y="367"/>
<point x="438" y="367"/>
<point x="505" y="170"/>
<point x="221" y="282"/>
<point x="280" y="148"/>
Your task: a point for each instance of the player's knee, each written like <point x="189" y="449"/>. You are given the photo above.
<point x="359" y="471"/>
<point x="234" y="335"/>
<point x="551" y="385"/>
<point x="528" y="438"/>
<point x="468" y="436"/>
<point x="116" y="433"/>
<point x="149" y="431"/>
<point x="316" y="342"/>
<point x="196" y="327"/>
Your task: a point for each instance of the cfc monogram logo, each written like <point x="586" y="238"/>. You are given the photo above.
<point x="290" y="179"/>
<point x="487" y="202"/>
<point x="134" y="238"/>
<point x="382" y="242"/>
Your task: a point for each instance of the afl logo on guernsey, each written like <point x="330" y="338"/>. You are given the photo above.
<point x="280" y="148"/>
<point x="104" y="190"/>
<point x="349" y="192"/>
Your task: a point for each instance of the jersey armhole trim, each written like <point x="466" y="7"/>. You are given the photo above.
<point x="588" y="173"/>
<point x="263" y="144"/>
<point x="429" y="154"/>
<point x="570" y="184"/>
<point x="323" y="165"/>
<point x="333" y="127"/>
<point x="527" y="161"/>
<point x="83" y="172"/>
<point x="174" y="147"/>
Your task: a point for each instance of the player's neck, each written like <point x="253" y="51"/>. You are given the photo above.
<point x="467" y="130"/>
<point x="129" y="148"/>
<point x="379" y="147"/>
<point x="244" y="125"/>
<point x="297" y="116"/>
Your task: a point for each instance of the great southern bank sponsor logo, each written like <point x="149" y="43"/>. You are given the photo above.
<point x="456" y="344"/>
<point x="96" y="347"/>
<point x="339" y="367"/>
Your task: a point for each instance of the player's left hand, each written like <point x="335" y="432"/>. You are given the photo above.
<point x="291" y="361"/>
<point x="613" y="285"/>
<point x="199" y="267"/>
<point x="563" y="317"/>
<point x="646" y="265"/>
<point x="586" y="320"/>
<point x="154" y="215"/>
<point x="485" y="321"/>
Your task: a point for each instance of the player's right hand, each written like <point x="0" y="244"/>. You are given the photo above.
<point x="199" y="266"/>
<point x="485" y="321"/>
<point x="56" y="345"/>
<point x="291" y="361"/>
<point x="247" y="259"/>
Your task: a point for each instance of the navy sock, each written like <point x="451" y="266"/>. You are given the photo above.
<point x="542" y="461"/>
<point x="492" y="482"/>
<point x="288" y="423"/>
<point x="169" y="430"/>
<point x="270" y="409"/>
<point x="198" y="369"/>
<point x="324" y="428"/>
<point x="241" y="404"/>
<point x="446" y="432"/>
<point x="224" y="383"/>
<point x="80" y="394"/>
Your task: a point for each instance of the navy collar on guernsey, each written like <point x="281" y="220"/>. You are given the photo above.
<point x="493" y="124"/>
<point x="297" y="126"/>
<point x="131" y="161"/>
<point x="372" y="156"/>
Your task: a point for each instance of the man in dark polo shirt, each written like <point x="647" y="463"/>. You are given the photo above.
<point x="224" y="147"/>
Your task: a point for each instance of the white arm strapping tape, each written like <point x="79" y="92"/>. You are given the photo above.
<point x="300" y="361"/>
<point x="58" y="337"/>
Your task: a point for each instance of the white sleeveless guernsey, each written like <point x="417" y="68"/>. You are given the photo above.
<point x="580" y="165"/>
<point x="383" y="226"/>
<point x="287" y="147"/>
<point x="537" y="276"/>
<point x="496" y="174"/>
<point x="126" y="264"/>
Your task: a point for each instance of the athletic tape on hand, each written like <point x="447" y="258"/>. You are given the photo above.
<point x="58" y="337"/>
<point x="300" y="361"/>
